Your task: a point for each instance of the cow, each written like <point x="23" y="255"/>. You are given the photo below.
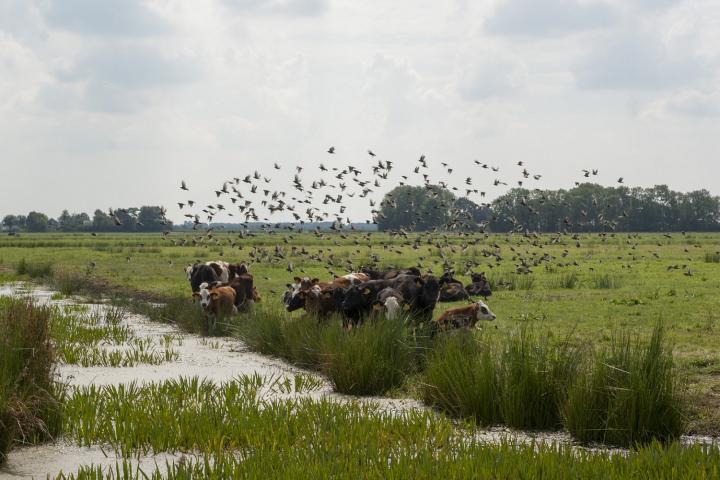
<point x="479" y="286"/>
<point x="237" y="269"/>
<point x="213" y="271"/>
<point x="391" y="301"/>
<point x="245" y="291"/>
<point x="293" y="301"/>
<point x="390" y="274"/>
<point x="216" y="301"/>
<point x="420" y="293"/>
<point x="451" y="290"/>
<point x="356" y="302"/>
<point x="320" y="300"/>
<point x="464" y="317"/>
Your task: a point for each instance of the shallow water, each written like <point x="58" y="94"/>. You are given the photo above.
<point x="216" y="359"/>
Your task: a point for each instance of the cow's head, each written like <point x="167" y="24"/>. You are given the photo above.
<point x="189" y="271"/>
<point x="206" y="295"/>
<point x="483" y="312"/>
<point x="392" y="307"/>
<point x="237" y="269"/>
<point x="430" y="289"/>
<point x="296" y="301"/>
<point x="478" y="277"/>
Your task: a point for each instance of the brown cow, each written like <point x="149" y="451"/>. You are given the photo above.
<point x="216" y="301"/>
<point x="464" y="317"/>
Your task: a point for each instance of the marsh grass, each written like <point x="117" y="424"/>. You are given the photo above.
<point x="34" y="269"/>
<point x="241" y="415"/>
<point x="712" y="257"/>
<point x="563" y="280"/>
<point x="367" y="360"/>
<point x="522" y="282"/>
<point x="520" y="381"/>
<point x="370" y="359"/>
<point x="628" y="394"/>
<point x="422" y="460"/>
<point x="604" y="281"/>
<point x="29" y="396"/>
<point x="138" y="351"/>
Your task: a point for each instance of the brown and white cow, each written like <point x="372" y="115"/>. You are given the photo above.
<point x="464" y="317"/>
<point x="216" y="302"/>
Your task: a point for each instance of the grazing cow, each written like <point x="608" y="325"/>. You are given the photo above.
<point x="391" y="301"/>
<point x="479" y="286"/>
<point x="209" y="272"/>
<point x="464" y="317"/>
<point x="216" y="301"/>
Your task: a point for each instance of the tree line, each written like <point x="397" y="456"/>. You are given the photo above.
<point x="133" y="219"/>
<point x="587" y="207"/>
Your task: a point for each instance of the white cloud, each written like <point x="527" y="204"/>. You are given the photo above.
<point x="548" y="17"/>
<point x="292" y="8"/>
<point x="104" y="17"/>
<point x="637" y="61"/>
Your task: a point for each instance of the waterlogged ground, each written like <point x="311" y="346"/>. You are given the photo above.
<point x="216" y="359"/>
<point x="186" y="355"/>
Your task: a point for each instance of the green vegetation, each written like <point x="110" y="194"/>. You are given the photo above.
<point x="367" y="360"/>
<point x="520" y="381"/>
<point x="627" y="395"/>
<point x="29" y="396"/>
<point x="349" y="458"/>
<point x="237" y="432"/>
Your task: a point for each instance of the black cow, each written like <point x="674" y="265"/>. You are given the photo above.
<point x="357" y="301"/>
<point x="453" y="292"/>
<point x="391" y="273"/>
<point x="479" y="286"/>
<point x="245" y="295"/>
<point x="421" y="293"/>
<point x="200" y="273"/>
<point x="451" y="289"/>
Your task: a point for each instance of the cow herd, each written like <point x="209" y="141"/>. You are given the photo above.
<point x="224" y="289"/>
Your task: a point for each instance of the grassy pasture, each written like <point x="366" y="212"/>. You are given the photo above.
<point x="619" y="283"/>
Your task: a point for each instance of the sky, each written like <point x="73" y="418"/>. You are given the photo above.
<point x="111" y="103"/>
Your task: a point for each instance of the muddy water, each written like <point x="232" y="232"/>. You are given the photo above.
<point x="216" y="359"/>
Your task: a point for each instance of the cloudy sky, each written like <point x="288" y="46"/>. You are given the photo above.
<point x="109" y="103"/>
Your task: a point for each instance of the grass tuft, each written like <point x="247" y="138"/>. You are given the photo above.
<point x="29" y="396"/>
<point x="628" y="394"/>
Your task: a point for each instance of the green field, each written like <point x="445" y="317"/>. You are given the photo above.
<point x="585" y="292"/>
<point x="620" y="281"/>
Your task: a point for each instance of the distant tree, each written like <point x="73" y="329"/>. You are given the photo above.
<point x="415" y="208"/>
<point x="37" y="222"/>
<point x="102" y="222"/>
<point x="151" y="219"/>
<point x="592" y="208"/>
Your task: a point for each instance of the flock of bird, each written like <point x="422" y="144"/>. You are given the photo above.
<point x="323" y="194"/>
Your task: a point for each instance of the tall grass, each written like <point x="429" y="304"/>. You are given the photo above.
<point x="712" y="257"/>
<point x="367" y="360"/>
<point x="34" y="269"/>
<point x="606" y="281"/>
<point x="628" y="394"/>
<point x="564" y="280"/>
<point x="29" y="396"/>
<point x="461" y="379"/>
<point x="520" y="381"/>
